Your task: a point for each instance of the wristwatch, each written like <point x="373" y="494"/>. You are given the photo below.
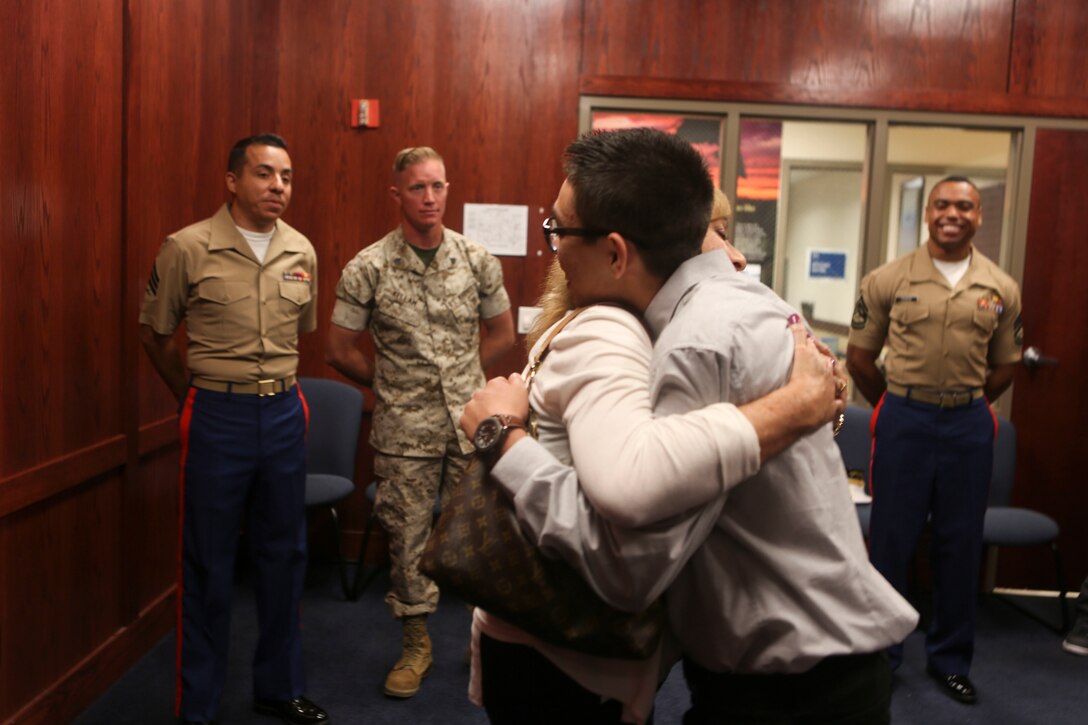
<point x="492" y="432"/>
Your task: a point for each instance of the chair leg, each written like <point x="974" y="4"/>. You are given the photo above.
<point x="1063" y="623"/>
<point x="362" y="577"/>
<point x="340" y="563"/>
<point x="1059" y="570"/>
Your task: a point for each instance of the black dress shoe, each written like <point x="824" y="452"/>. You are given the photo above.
<point x="298" y="711"/>
<point x="958" y="687"/>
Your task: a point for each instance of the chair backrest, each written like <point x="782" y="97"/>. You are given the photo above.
<point x="854" y="440"/>
<point x="1004" y="463"/>
<point x="336" y="413"/>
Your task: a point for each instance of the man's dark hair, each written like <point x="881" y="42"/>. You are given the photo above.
<point x="651" y="187"/>
<point x="237" y="159"/>
<point x="957" y="180"/>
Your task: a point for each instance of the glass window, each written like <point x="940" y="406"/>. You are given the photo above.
<point x="822" y="195"/>
<point x="799" y="213"/>
<point x="920" y="156"/>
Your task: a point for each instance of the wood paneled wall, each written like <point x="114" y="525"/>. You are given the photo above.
<point x="904" y="54"/>
<point x="118" y="118"/>
<point x="1048" y="55"/>
<point x="62" y="446"/>
<point x="1048" y="403"/>
<point x="930" y="44"/>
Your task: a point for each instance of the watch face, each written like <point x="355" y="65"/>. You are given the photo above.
<point x="487" y="433"/>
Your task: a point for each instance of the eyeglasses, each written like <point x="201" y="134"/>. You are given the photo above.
<point x="552" y="232"/>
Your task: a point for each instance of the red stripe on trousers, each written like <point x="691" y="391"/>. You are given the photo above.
<point x="305" y="409"/>
<point x="872" y="441"/>
<point x="186" y="420"/>
<point x="306" y="436"/>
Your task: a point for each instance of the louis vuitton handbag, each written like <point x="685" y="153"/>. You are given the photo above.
<point x="478" y="551"/>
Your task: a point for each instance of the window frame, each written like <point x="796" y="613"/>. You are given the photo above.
<point x="877" y="204"/>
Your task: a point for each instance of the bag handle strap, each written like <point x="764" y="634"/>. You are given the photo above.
<point x="542" y="353"/>
<point x="547" y="346"/>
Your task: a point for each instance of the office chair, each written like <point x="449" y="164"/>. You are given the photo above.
<point x="855" y="445"/>
<point x="1013" y="526"/>
<point x="336" y="412"/>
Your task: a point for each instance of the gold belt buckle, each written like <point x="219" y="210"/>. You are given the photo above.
<point x="266" y="388"/>
<point x="953" y="399"/>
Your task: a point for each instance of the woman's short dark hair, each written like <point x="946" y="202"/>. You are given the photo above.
<point x="651" y="187"/>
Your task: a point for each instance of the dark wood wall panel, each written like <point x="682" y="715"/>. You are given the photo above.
<point x="63" y="587"/>
<point x="60" y="231"/>
<point x="201" y="75"/>
<point x="37" y="484"/>
<point x="1048" y="403"/>
<point x="1048" y="49"/>
<point x="152" y="569"/>
<point x="898" y="44"/>
<point x="1002" y="104"/>
<point x="69" y="696"/>
<point x="61" y="445"/>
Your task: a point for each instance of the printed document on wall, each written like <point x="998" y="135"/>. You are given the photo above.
<point x="502" y="228"/>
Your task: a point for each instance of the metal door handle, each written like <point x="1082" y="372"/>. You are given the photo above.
<point x="1034" y="359"/>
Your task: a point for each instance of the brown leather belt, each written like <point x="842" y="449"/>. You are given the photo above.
<point x="940" y="398"/>
<point x="261" y="388"/>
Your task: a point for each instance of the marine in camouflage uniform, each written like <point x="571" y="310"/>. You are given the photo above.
<point x="425" y="322"/>
<point x="423" y="306"/>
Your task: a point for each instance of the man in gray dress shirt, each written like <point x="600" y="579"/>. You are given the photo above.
<point x="770" y="592"/>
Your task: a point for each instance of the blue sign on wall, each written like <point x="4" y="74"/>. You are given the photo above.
<point x="826" y="265"/>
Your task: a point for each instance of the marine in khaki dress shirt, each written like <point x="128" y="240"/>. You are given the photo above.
<point x="243" y="317"/>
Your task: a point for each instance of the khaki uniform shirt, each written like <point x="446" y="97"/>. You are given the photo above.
<point x="425" y="322"/>
<point x="243" y="317"/>
<point x="937" y="336"/>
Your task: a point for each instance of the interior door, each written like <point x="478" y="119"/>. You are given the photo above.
<point x="1050" y="401"/>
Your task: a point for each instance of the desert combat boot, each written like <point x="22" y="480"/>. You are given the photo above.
<point x="415" y="659"/>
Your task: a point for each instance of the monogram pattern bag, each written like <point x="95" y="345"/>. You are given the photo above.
<point x="478" y="551"/>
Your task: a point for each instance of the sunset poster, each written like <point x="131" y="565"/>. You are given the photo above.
<point x="758" y="183"/>
<point x="704" y="134"/>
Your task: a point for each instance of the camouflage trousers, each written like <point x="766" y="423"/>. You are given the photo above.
<point x="407" y="489"/>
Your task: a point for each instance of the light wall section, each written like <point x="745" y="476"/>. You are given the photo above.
<point x="820" y="210"/>
<point x="823" y="214"/>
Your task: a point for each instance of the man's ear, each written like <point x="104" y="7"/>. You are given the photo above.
<point x="619" y="252"/>
<point x="232" y="182"/>
<point x="394" y="194"/>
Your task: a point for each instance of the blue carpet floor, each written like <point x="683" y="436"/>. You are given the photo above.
<point x="1023" y="676"/>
